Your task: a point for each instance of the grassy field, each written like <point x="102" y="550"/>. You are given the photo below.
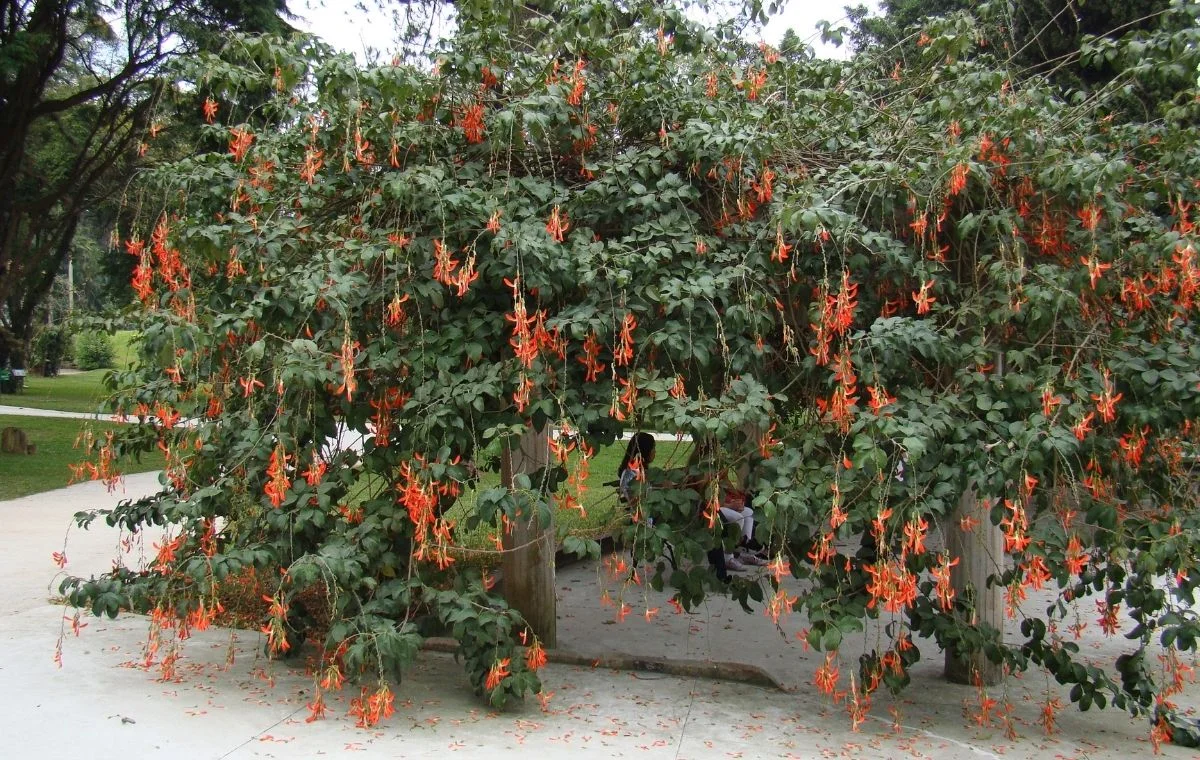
<point x="124" y="352"/>
<point x="21" y="475"/>
<point x="601" y="510"/>
<point x="75" y="392"/>
<point x="67" y="393"/>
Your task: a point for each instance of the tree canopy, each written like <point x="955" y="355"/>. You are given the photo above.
<point x="876" y="289"/>
<point x="79" y="80"/>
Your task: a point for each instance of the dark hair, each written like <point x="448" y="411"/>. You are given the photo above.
<point x="641" y="446"/>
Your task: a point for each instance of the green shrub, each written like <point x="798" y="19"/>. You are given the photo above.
<point x="93" y="350"/>
<point x="50" y="348"/>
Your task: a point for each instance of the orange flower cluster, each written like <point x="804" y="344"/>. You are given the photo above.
<point x="591" y="358"/>
<point x="754" y="82"/>
<point x="558" y="224"/>
<point x="104" y="468"/>
<point x="958" y="179"/>
<point x="578" y="82"/>
<point x="941" y="577"/>
<point x="497" y="673"/>
<point x="624" y="352"/>
<point x="1106" y="400"/>
<point x="276" y="626"/>
<point x="313" y="161"/>
<point x="370" y="708"/>
<point x="892" y="584"/>
<point x="278" y="482"/>
<point x="470" y="119"/>
<point x="837" y="316"/>
<point x="210" y="109"/>
<point x="240" y="141"/>
<point x="392" y="399"/>
<point x="1133" y="446"/>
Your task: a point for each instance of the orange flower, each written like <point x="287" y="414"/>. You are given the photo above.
<point x="922" y="299"/>
<point x="1084" y="426"/>
<point x="470" y="118"/>
<point x="497" y="674"/>
<point x="278" y="482"/>
<point x="1106" y="400"/>
<point x="958" y="178"/>
<point x="781" y="250"/>
<point x="591" y="350"/>
<point x="941" y="576"/>
<point x="1077" y="558"/>
<point x="1096" y="269"/>
<point x="879" y="399"/>
<point x="210" y="110"/>
<point x="557" y="225"/>
<point x="493" y="225"/>
<point x="624" y="352"/>
<point x="239" y="142"/>
<point x="1049" y="401"/>
<point x="826" y="677"/>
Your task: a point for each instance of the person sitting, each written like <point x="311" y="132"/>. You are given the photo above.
<point x="638" y="456"/>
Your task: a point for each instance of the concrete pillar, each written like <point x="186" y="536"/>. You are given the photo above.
<point x="981" y="553"/>
<point x="528" y="563"/>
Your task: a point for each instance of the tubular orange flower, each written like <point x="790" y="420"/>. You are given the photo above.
<point x="1084" y="426"/>
<point x="826" y="677"/>
<point x="1049" y="401"/>
<point x="941" y="575"/>
<point x="535" y="656"/>
<point x="239" y="142"/>
<point x="499" y="671"/>
<point x="1106" y="400"/>
<point x="922" y="298"/>
<point x="557" y="225"/>
<point x="1096" y="269"/>
<point x="278" y="482"/>
<point x="879" y="399"/>
<point x="624" y="352"/>
<point x="470" y="118"/>
<point x="210" y="110"/>
<point x="781" y="250"/>
<point x="493" y="225"/>
<point x="958" y="179"/>
<point x="1076" y="558"/>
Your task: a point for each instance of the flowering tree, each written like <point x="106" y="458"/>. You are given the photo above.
<point x="883" y="292"/>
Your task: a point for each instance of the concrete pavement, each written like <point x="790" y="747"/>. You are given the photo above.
<point x="227" y="702"/>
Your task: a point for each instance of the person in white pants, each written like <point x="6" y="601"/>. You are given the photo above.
<point x="736" y="511"/>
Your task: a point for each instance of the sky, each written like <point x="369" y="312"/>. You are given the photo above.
<point x="348" y="27"/>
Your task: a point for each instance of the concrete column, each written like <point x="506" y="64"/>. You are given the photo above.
<point x="528" y="563"/>
<point x="981" y="553"/>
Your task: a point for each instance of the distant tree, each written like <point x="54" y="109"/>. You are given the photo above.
<point x="1040" y="37"/>
<point x="78" y="80"/>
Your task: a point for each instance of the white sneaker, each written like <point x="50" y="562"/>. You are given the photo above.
<point x="733" y="564"/>
<point x="749" y="558"/>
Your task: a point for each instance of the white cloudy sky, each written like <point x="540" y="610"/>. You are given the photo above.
<point x="345" y="25"/>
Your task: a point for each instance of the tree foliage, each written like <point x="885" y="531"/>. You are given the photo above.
<point x="78" y="82"/>
<point x="875" y="289"/>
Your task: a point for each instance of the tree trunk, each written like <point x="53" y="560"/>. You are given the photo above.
<point x="981" y="554"/>
<point x="528" y="563"/>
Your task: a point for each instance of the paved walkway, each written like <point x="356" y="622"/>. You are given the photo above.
<point x="228" y="703"/>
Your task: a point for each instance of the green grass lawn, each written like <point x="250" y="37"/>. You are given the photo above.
<point x="23" y="474"/>
<point x="124" y="351"/>
<point x="75" y="392"/>
<point x="67" y="393"/>
<point x="601" y="510"/>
